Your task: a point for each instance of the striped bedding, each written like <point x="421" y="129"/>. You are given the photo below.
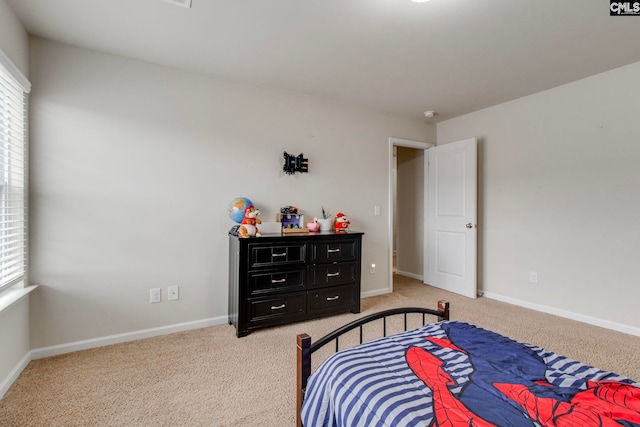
<point x="478" y="378"/>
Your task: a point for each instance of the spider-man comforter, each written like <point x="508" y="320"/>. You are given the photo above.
<point x="455" y="374"/>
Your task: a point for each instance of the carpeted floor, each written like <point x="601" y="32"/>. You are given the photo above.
<point x="208" y="377"/>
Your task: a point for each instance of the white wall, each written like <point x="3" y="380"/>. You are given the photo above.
<point x="560" y="195"/>
<point x="14" y="333"/>
<point x="134" y="166"/>
<point x="14" y="321"/>
<point x="14" y="41"/>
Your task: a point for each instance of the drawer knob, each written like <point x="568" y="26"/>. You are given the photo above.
<point x="282" y="254"/>
<point x="333" y="274"/>
<point x="333" y="250"/>
<point x="333" y="298"/>
<point x="278" y="280"/>
<point x="278" y="307"/>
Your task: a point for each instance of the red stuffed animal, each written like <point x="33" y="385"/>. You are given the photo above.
<point x="341" y="222"/>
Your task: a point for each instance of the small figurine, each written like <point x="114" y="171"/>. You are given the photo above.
<point x="341" y="222"/>
<point x="313" y="226"/>
<point x="289" y="210"/>
<point x="248" y="226"/>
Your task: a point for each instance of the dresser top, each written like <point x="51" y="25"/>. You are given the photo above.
<point x="294" y="236"/>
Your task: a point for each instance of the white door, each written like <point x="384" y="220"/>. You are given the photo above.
<point x="452" y="232"/>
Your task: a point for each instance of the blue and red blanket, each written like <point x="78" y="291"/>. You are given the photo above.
<point x="455" y="374"/>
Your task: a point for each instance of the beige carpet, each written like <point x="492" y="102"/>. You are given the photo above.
<point x="208" y="377"/>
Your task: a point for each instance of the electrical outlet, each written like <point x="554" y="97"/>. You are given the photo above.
<point x="533" y="277"/>
<point x="172" y="293"/>
<point x="154" y="295"/>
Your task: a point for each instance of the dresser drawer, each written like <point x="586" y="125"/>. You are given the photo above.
<point x="275" y="281"/>
<point x="270" y="255"/>
<point x="338" y="250"/>
<point x="338" y="298"/>
<point x="332" y="274"/>
<point x="268" y="310"/>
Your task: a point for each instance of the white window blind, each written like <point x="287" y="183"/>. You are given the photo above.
<point x="13" y="175"/>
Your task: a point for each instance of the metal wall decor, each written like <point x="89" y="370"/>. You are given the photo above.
<point x="293" y="164"/>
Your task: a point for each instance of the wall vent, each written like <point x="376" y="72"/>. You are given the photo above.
<point x="183" y="3"/>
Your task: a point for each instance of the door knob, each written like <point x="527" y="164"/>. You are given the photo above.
<point x="469" y="225"/>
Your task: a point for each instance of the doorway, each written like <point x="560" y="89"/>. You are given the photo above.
<point x="407" y="208"/>
<point x="449" y="210"/>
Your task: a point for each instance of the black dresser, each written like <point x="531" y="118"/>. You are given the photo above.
<point x="277" y="279"/>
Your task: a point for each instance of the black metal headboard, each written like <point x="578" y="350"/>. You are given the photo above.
<point x="305" y="349"/>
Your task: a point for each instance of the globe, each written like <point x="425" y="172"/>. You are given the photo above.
<point x="237" y="207"/>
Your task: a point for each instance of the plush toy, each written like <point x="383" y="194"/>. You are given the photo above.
<point x="341" y="222"/>
<point x="248" y="226"/>
<point x="313" y="226"/>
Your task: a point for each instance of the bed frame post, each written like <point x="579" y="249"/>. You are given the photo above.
<point x="443" y="306"/>
<point x="303" y="371"/>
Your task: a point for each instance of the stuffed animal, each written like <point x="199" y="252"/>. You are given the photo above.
<point x="341" y="222"/>
<point x="313" y="226"/>
<point x="248" y="226"/>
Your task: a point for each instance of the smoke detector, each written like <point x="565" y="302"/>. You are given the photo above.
<point x="183" y="3"/>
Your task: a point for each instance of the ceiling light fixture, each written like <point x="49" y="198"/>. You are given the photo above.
<point x="430" y="113"/>
<point x="419" y="1"/>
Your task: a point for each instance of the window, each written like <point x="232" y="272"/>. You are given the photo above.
<point x="14" y="89"/>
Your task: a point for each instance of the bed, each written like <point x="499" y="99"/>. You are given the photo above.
<point x="450" y="373"/>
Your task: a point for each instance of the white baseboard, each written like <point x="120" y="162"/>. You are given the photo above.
<point x="14" y="374"/>
<point x="40" y="353"/>
<point x="566" y="314"/>
<point x="375" y="293"/>
<point x="411" y="275"/>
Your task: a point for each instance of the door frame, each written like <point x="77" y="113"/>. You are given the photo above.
<point x="399" y="142"/>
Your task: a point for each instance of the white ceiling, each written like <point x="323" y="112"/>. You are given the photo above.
<point x="451" y="56"/>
